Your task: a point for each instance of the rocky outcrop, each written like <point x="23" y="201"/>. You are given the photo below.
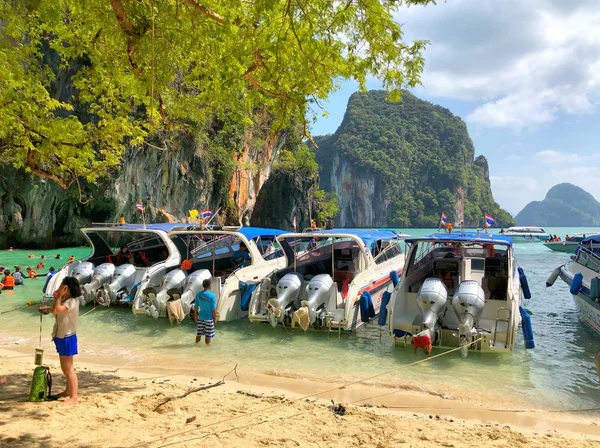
<point x="285" y="194"/>
<point x="361" y="195"/>
<point x="401" y="165"/>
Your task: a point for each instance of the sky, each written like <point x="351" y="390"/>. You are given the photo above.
<point x="525" y="77"/>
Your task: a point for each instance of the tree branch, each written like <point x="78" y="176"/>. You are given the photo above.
<point x="197" y="389"/>
<point x="207" y="12"/>
<point x="309" y="137"/>
<point x="35" y="169"/>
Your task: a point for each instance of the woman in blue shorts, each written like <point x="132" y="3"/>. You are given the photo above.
<point x="64" y="334"/>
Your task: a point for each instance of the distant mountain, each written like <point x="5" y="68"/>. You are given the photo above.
<point x="565" y="205"/>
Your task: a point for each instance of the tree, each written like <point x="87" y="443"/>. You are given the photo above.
<point x="82" y="80"/>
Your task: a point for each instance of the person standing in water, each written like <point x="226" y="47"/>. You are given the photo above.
<point x="64" y="334"/>
<point x="205" y="313"/>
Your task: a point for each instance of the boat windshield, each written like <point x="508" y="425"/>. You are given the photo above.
<point x="140" y="248"/>
<point x="222" y="253"/>
<point x="338" y="257"/>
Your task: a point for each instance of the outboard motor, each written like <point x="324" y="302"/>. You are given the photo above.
<point x="172" y="281"/>
<point x="319" y="289"/>
<point x="288" y="297"/>
<point x="102" y="274"/>
<point x="431" y="301"/>
<point x="83" y="272"/>
<point x="123" y="280"/>
<point x="468" y="303"/>
<point x="191" y="287"/>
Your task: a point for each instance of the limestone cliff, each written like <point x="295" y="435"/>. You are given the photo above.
<point x="187" y="175"/>
<point x="401" y="165"/>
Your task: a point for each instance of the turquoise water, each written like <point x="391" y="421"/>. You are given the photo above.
<point x="558" y="373"/>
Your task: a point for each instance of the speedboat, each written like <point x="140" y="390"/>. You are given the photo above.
<point x="582" y="274"/>
<point x="526" y="234"/>
<point x="568" y="246"/>
<point x="106" y="276"/>
<point x="230" y="257"/>
<point x="460" y="290"/>
<point x="333" y="280"/>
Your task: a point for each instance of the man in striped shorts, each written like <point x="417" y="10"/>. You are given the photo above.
<point x="205" y="313"/>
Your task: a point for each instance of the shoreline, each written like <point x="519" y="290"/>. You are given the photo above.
<point x="121" y="391"/>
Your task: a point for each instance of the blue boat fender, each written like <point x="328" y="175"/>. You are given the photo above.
<point x="383" y="311"/>
<point x="527" y="328"/>
<point x="394" y="278"/>
<point x="367" y="311"/>
<point x="524" y="283"/>
<point x="552" y="277"/>
<point x="576" y="283"/>
<point x="595" y="288"/>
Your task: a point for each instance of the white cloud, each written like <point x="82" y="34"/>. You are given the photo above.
<point x="558" y="158"/>
<point x="526" y="62"/>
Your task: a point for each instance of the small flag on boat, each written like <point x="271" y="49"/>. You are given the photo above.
<point x="294" y="223"/>
<point x="193" y="214"/>
<point x="489" y="221"/>
<point x="138" y="206"/>
<point x="206" y="214"/>
<point x="443" y="219"/>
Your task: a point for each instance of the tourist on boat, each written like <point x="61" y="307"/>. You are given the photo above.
<point x="501" y="230"/>
<point x="8" y="281"/>
<point x="31" y="273"/>
<point x="329" y="224"/>
<point x="40" y="265"/>
<point x="313" y="224"/>
<point x="64" y="334"/>
<point x="568" y="237"/>
<point x="240" y="256"/>
<point x="205" y="313"/>
<point x="124" y="256"/>
<point x="18" y="275"/>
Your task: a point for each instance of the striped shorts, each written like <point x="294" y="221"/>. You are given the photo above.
<point x="206" y="328"/>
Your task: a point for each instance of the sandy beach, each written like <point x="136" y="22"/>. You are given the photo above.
<point x="120" y="408"/>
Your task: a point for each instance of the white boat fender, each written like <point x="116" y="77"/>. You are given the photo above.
<point x="552" y="277"/>
<point x="576" y="283"/>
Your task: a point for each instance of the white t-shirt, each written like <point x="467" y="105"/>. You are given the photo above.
<point x="66" y="323"/>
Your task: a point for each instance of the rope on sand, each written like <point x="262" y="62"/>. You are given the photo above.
<point x="268" y="408"/>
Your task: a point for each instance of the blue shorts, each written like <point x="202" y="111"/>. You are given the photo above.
<point x="206" y="328"/>
<point x="66" y="346"/>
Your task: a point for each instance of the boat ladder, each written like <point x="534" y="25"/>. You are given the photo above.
<point x="500" y="319"/>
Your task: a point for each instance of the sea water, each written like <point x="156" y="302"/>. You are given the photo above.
<point x="558" y="373"/>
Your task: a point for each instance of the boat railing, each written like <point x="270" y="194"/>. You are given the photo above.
<point x="588" y="258"/>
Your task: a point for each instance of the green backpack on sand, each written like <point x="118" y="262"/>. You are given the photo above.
<point x="41" y="384"/>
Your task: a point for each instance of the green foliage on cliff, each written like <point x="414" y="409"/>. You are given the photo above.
<point x="421" y="152"/>
<point x="80" y="80"/>
<point x="565" y="205"/>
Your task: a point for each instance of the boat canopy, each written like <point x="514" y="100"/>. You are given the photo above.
<point x="532" y="229"/>
<point x="467" y="237"/>
<point x="369" y="237"/>
<point x="594" y="239"/>
<point x="253" y="232"/>
<point x="163" y="226"/>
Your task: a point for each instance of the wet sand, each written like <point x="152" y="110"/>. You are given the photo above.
<point x="118" y="408"/>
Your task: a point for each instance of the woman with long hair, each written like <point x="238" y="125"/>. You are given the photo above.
<point x="64" y="334"/>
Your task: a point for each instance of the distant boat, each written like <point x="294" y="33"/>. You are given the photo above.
<point x="568" y="246"/>
<point x="526" y="234"/>
<point x="582" y="274"/>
